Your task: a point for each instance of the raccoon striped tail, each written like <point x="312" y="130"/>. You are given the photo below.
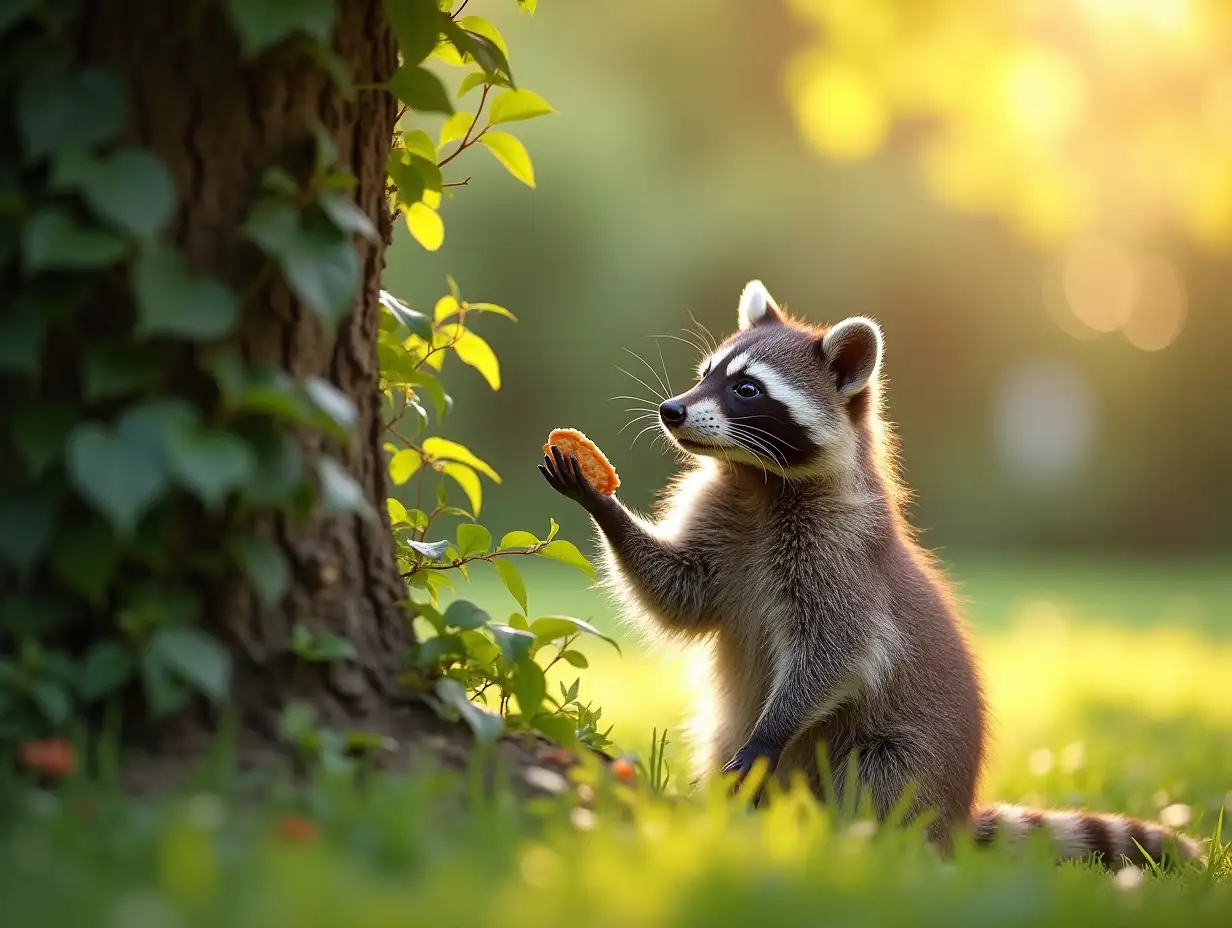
<point x="1110" y="839"/>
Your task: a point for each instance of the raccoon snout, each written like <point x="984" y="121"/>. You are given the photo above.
<point x="673" y="413"/>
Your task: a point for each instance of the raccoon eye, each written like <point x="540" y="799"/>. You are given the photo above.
<point x="746" y="389"/>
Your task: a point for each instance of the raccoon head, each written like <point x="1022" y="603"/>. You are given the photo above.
<point x="779" y="394"/>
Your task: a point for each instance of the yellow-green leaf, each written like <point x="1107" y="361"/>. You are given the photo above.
<point x="442" y="449"/>
<point x="403" y="465"/>
<point x="512" y="579"/>
<point x="468" y="480"/>
<point x="567" y="553"/>
<point x="432" y="198"/>
<point x="455" y="128"/>
<point x="397" y="512"/>
<point x="446" y="306"/>
<point x="425" y="224"/>
<point x="511" y="154"/>
<point x="491" y="308"/>
<point x="470" y="82"/>
<point x="518" y="539"/>
<point x="473" y="350"/>
<point x="518" y="105"/>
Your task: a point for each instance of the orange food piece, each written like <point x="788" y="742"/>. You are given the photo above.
<point x="596" y="468"/>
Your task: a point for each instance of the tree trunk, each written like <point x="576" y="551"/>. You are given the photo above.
<point x="219" y="121"/>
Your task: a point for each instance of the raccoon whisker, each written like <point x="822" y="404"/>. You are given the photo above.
<point x="738" y="433"/>
<point x="636" y="420"/>
<point x="667" y="391"/>
<point x="637" y="399"/>
<point x="666" y="376"/>
<point x="644" y="430"/>
<point x="709" y="334"/>
<point x="762" y="431"/>
<point x="639" y="380"/>
<point x="685" y="341"/>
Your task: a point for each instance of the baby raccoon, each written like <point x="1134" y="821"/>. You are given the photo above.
<point x="786" y="547"/>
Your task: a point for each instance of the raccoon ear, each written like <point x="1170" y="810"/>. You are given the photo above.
<point x="757" y="306"/>
<point x="853" y="350"/>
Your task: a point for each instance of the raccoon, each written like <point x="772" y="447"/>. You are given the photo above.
<point x="785" y="547"/>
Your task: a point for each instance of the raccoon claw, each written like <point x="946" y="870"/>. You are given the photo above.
<point x="566" y="478"/>
<point x="744" y="760"/>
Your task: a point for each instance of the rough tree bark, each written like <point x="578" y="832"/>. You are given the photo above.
<point x="219" y="121"/>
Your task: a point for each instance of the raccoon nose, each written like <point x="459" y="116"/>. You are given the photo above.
<point x="673" y="412"/>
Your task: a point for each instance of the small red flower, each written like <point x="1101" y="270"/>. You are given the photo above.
<point x="624" y="769"/>
<point x="296" y="829"/>
<point x="54" y="757"/>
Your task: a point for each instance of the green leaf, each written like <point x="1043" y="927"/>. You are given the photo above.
<point x="554" y="627"/>
<point x="320" y="263"/>
<point x="121" y="369"/>
<point x="339" y="491"/>
<point x="471" y="81"/>
<point x="132" y="189"/>
<point x="120" y="473"/>
<point x="431" y="385"/>
<point x="468" y="480"/>
<point x="425" y="226"/>
<point x="420" y="89"/>
<point x="518" y="539"/>
<point x="465" y="615"/>
<point x="263" y="23"/>
<point x="314" y="647"/>
<point x="560" y="728"/>
<point x="514" y="643"/>
<point x="567" y="553"/>
<point x="265" y="566"/>
<point x="54" y="240"/>
<point x="529" y="686"/>
<point x="336" y="405"/>
<point x="405" y="176"/>
<point x="53" y="701"/>
<point x="419" y="143"/>
<point x="210" y="463"/>
<point x="39" y="431"/>
<point x="478" y="39"/>
<point x="473" y="539"/>
<point x="22" y="335"/>
<point x="57" y="108"/>
<point x="403" y="465"/>
<point x="512" y="579"/>
<point x="196" y="657"/>
<point x="164" y="692"/>
<point x="511" y="154"/>
<point x="454" y="128"/>
<point x="553" y="528"/>
<point x="442" y="449"/>
<point x="27" y="523"/>
<point x="32" y="615"/>
<point x="172" y="300"/>
<point x="474" y="351"/>
<point x="346" y="216"/>
<point x="576" y="658"/>
<point x="106" y="667"/>
<point x="416" y="323"/>
<point x="85" y="557"/>
<point x="279" y="472"/>
<point x="416" y="25"/>
<point x="486" y="725"/>
<point x="516" y="106"/>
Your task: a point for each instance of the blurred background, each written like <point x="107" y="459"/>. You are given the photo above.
<point x="1035" y="201"/>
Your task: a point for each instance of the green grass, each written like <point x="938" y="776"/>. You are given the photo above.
<point x="1109" y="689"/>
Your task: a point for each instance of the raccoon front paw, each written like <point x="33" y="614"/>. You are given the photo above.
<point x="566" y="478"/>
